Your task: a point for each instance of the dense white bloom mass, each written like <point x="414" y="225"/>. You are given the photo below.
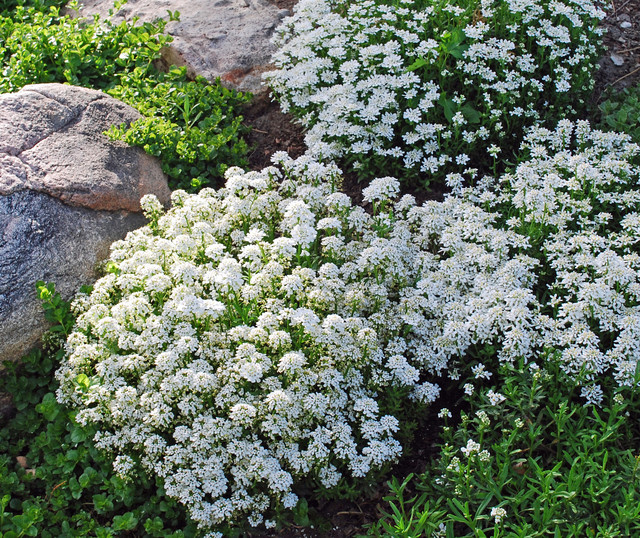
<point x="248" y="338"/>
<point x="411" y="86"/>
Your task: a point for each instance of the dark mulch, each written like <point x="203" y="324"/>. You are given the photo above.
<point x="271" y="131"/>
<point x="622" y="41"/>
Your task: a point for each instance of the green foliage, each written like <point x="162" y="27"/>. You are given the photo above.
<point x="556" y="466"/>
<point x="192" y="126"/>
<point x="40" y="45"/>
<point x="7" y="6"/>
<point x="621" y="112"/>
<point x="68" y="487"/>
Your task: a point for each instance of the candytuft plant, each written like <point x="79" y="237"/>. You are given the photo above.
<point x="226" y="325"/>
<point x="423" y="89"/>
<point x="233" y="352"/>
<point x="53" y="481"/>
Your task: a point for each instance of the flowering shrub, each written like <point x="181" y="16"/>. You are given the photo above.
<point x="242" y="341"/>
<point x="577" y="199"/>
<point x="266" y="333"/>
<point x="409" y="87"/>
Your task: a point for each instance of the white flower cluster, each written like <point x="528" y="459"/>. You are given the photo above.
<point x="245" y="340"/>
<point x="583" y="207"/>
<point x="248" y="338"/>
<point x="430" y="88"/>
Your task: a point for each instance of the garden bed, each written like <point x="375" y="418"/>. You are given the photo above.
<point x="496" y="446"/>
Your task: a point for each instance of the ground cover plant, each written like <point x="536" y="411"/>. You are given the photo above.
<point x="549" y="444"/>
<point x="232" y="351"/>
<point x="194" y="127"/>
<point x="621" y="112"/>
<point x="530" y="460"/>
<point x="191" y="125"/>
<point x="268" y="344"/>
<point x="421" y="89"/>
<point x="53" y="481"/>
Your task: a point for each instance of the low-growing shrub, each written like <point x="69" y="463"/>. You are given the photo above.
<point x="576" y="199"/>
<point x="528" y="458"/>
<point x="194" y="127"/>
<point x="251" y="340"/>
<point x="39" y="45"/>
<point x="271" y="333"/>
<point x="421" y="89"/>
<point x="621" y="112"/>
<point x="191" y="125"/>
<point x="8" y="6"/>
<point x="53" y="481"/>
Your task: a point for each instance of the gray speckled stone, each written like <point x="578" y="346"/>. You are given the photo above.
<point x="66" y="193"/>
<point x="46" y="239"/>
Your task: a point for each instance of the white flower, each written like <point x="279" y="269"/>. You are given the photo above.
<point x="242" y="413"/>
<point x="498" y="514"/>
<point x="593" y="394"/>
<point x="495" y="398"/>
<point x="381" y="189"/>
<point x="479" y="371"/>
<point x="471" y="448"/>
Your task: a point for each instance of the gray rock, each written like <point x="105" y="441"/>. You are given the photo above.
<point x="66" y="193"/>
<point x="617" y="59"/>
<point x="52" y="141"/>
<point x="229" y="39"/>
<point x="45" y="239"/>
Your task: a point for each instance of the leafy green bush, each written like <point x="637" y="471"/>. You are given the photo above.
<point x="421" y="89"/>
<point x="621" y="112"/>
<point x="192" y="126"/>
<point x="528" y="459"/>
<point x="39" y="45"/>
<point x="8" y="6"/>
<point x="64" y="486"/>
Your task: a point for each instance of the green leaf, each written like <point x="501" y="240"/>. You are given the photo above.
<point x="448" y="106"/>
<point x="420" y="62"/>
<point x="49" y="407"/>
<point x="470" y="114"/>
<point x="125" y="522"/>
<point x="458" y="51"/>
<point x="78" y="435"/>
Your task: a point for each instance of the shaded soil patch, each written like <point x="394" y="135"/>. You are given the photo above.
<point x="271" y="131"/>
<point x="620" y="64"/>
